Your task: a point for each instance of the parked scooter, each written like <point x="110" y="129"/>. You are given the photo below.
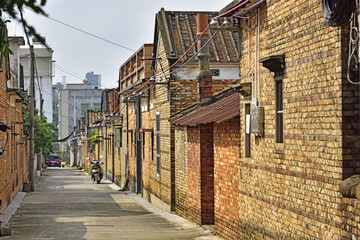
<point x="96" y="171"/>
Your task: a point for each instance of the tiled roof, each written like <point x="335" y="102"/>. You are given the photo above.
<point x="178" y="30"/>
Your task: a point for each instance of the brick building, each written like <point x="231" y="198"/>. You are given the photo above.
<point x="99" y="132"/>
<point x="263" y="156"/>
<point x="14" y="160"/>
<point x="151" y="101"/>
<point x="278" y="177"/>
<point x="134" y="73"/>
<point x="111" y="126"/>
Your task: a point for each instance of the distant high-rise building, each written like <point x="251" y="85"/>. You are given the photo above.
<point x="74" y="100"/>
<point x="58" y="86"/>
<point x="93" y="80"/>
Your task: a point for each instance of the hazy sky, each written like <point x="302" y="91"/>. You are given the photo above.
<point x="127" y="23"/>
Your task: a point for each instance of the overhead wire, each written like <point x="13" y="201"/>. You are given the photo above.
<point x="231" y="10"/>
<point x="86" y="32"/>
<point x="182" y="56"/>
<point x="186" y="52"/>
<point x="39" y="87"/>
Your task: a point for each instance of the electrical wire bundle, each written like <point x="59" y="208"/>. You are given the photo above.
<point x="337" y="12"/>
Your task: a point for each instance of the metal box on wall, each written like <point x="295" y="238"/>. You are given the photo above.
<point x="257" y="120"/>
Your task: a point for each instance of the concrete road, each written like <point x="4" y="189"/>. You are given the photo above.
<point x="68" y="205"/>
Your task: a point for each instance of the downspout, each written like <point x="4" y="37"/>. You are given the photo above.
<point x="127" y="143"/>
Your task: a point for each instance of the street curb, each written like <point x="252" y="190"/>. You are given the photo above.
<point x="5" y="228"/>
<point x="177" y="220"/>
<point x="203" y="232"/>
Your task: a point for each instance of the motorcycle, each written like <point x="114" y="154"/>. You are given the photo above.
<point x="96" y="171"/>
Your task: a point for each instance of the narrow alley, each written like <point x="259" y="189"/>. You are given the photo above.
<point x="68" y="205"/>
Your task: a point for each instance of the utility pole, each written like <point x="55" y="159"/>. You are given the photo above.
<point x="40" y="156"/>
<point x="32" y="107"/>
<point x="31" y="119"/>
<point x="41" y="106"/>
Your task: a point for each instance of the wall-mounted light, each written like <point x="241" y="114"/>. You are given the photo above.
<point x="227" y="22"/>
<point x="214" y="22"/>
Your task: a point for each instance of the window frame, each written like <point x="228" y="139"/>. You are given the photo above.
<point x="158" y="144"/>
<point x="279" y="111"/>
<point x="247" y="112"/>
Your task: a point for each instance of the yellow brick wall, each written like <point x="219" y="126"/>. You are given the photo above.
<point x="289" y="190"/>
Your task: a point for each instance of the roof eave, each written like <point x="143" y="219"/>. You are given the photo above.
<point x="242" y="89"/>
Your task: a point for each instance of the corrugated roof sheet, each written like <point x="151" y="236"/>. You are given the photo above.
<point x="219" y="111"/>
<point x="219" y="108"/>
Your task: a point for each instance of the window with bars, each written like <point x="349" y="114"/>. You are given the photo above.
<point x="143" y="145"/>
<point x="247" y="131"/>
<point x="152" y="146"/>
<point x="279" y="111"/>
<point x="118" y="137"/>
<point x="158" y="142"/>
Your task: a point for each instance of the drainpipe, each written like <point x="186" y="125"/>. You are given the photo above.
<point x="204" y="77"/>
<point x="127" y="141"/>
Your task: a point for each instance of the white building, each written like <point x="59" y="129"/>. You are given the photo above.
<point x="43" y="77"/>
<point x="74" y="101"/>
<point x="16" y="73"/>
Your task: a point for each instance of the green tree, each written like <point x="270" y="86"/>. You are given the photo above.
<point x="15" y="8"/>
<point x="95" y="134"/>
<point x="44" y="133"/>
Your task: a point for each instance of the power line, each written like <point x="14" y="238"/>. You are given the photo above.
<point x="65" y="71"/>
<point x="88" y="33"/>
<point x="70" y="72"/>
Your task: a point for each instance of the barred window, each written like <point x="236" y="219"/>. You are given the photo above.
<point x="279" y="111"/>
<point x="247" y="131"/>
<point x="158" y="142"/>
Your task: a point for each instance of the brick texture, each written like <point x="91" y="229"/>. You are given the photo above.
<point x="226" y="177"/>
<point x="290" y="190"/>
<point x="14" y="163"/>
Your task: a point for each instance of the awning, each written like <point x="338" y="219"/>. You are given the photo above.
<point x="135" y="86"/>
<point x="222" y="107"/>
<point x="4" y="127"/>
<point x="65" y="139"/>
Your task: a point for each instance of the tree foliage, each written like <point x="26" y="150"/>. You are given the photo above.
<point x="95" y="134"/>
<point x="14" y="8"/>
<point x="44" y="133"/>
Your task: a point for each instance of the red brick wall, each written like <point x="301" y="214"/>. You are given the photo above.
<point x="14" y="163"/>
<point x="194" y="176"/>
<point x="193" y="210"/>
<point x="5" y="163"/>
<point x="226" y="173"/>
<point x="113" y="100"/>
<point x="207" y="173"/>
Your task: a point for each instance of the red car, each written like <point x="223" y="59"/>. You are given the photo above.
<point x="53" y="161"/>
